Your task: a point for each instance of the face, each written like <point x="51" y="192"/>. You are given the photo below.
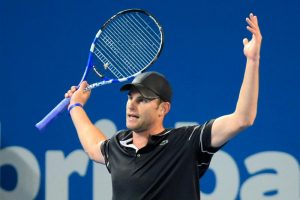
<point x="142" y="114"/>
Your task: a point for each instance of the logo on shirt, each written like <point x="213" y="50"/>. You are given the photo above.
<point x="164" y="142"/>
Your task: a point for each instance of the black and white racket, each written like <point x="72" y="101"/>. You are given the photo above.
<point x="125" y="46"/>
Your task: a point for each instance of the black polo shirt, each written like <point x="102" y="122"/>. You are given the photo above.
<point x="168" y="167"/>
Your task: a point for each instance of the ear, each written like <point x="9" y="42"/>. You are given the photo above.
<point x="165" y="108"/>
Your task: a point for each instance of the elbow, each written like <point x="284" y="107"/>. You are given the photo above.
<point x="247" y="121"/>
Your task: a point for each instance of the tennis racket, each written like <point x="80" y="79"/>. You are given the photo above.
<point x="125" y="46"/>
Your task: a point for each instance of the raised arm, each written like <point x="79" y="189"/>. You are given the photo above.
<point x="89" y="135"/>
<point x="227" y="126"/>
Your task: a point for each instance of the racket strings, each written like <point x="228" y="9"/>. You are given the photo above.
<point x="153" y="36"/>
<point x="129" y="52"/>
<point x="131" y="38"/>
<point x="128" y="44"/>
<point x="114" y="59"/>
<point x="144" y="35"/>
<point x="132" y="50"/>
<point x="136" y="45"/>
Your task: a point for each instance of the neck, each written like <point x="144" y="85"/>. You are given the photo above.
<point x="140" y="139"/>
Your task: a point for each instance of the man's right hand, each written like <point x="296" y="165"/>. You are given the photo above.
<point x="78" y="95"/>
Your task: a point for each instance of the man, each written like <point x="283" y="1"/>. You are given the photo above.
<point x="148" y="161"/>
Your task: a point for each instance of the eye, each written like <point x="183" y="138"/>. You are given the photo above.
<point x="142" y="100"/>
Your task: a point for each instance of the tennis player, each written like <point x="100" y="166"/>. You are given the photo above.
<point x="148" y="161"/>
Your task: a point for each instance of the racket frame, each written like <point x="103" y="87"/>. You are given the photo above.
<point x="62" y="106"/>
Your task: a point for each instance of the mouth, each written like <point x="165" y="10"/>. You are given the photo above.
<point x="132" y="116"/>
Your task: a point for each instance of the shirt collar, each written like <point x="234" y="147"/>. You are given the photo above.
<point x="126" y="139"/>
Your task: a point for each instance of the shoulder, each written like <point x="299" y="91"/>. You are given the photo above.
<point x="198" y="128"/>
<point x="185" y="132"/>
<point x="116" y="138"/>
<point x="122" y="134"/>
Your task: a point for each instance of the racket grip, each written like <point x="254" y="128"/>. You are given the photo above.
<point x="62" y="106"/>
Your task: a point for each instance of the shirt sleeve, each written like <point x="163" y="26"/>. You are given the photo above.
<point x="105" y="152"/>
<point x="200" y="138"/>
<point x="205" y="138"/>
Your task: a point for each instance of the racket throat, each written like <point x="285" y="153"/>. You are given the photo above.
<point x="97" y="72"/>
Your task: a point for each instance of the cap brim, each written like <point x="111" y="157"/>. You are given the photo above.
<point x="145" y="92"/>
<point x="126" y="87"/>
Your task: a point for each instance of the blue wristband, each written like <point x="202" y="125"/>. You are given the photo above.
<point x="74" y="105"/>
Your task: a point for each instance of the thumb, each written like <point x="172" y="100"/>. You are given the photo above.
<point x="83" y="85"/>
<point x="245" y="41"/>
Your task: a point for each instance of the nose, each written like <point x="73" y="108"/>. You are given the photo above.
<point x="131" y="105"/>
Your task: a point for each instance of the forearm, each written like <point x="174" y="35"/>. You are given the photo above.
<point x="89" y="135"/>
<point x="227" y="126"/>
<point x="246" y="107"/>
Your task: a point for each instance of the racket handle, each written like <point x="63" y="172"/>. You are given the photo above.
<point x="62" y="106"/>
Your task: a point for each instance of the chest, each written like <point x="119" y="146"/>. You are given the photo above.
<point x="149" y="166"/>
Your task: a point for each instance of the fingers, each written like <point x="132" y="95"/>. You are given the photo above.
<point x="73" y="89"/>
<point x="254" y="18"/>
<point x="252" y="23"/>
<point x="83" y="85"/>
<point x="251" y="20"/>
<point x="253" y="26"/>
<point x="70" y="92"/>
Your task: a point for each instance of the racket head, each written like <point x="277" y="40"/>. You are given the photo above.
<point x="126" y="45"/>
<point x="133" y="31"/>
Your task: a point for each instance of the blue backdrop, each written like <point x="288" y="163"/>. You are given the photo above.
<point x="43" y="51"/>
